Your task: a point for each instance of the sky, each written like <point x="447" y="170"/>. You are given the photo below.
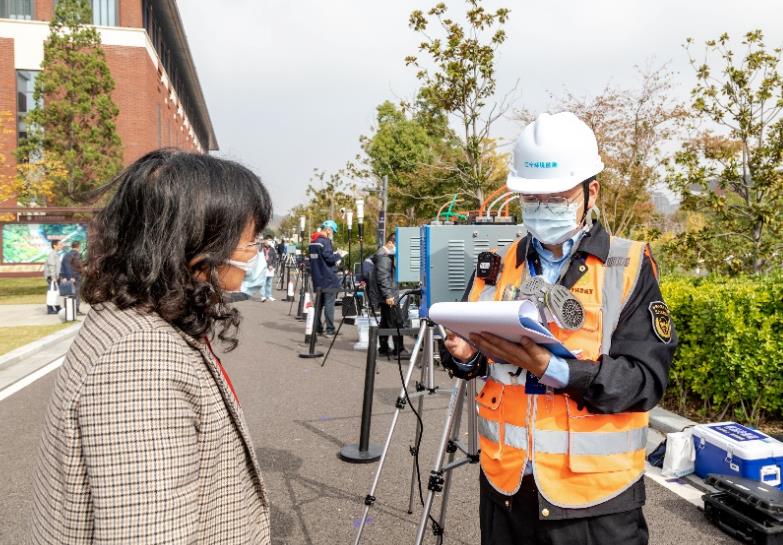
<point x="291" y="85"/>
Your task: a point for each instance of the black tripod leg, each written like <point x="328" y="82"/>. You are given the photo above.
<point x="339" y="327"/>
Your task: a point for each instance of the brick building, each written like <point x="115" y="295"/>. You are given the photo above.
<point x="157" y="92"/>
<point x="157" y="88"/>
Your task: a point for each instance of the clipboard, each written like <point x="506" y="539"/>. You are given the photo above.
<point x="510" y="320"/>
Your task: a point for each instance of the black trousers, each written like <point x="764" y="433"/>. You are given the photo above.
<point x="520" y="524"/>
<point x="388" y="322"/>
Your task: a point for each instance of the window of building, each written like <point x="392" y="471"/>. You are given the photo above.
<point x="104" y="12"/>
<point x="25" y="101"/>
<point x="16" y="9"/>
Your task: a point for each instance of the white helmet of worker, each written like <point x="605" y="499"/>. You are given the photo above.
<point x="553" y="154"/>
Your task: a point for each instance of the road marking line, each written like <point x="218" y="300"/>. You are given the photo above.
<point x="682" y="489"/>
<point x="32" y="377"/>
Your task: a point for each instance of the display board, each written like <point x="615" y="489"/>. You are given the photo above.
<point x="31" y="242"/>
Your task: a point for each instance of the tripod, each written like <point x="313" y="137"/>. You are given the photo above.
<point x="426" y="387"/>
<point x="440" y="476"/>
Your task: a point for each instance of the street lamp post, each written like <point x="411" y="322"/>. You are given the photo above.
<point x="349" y="221"/>
<point x="360" y="229"/>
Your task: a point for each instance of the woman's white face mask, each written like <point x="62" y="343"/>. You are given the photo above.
<point x="246" y="266"/>
<point x="551" y="223"/>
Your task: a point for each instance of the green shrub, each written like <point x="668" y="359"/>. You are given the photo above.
<point x="730" y="354"/>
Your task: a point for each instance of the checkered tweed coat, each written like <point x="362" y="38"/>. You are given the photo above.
<point x="144" y="443"/>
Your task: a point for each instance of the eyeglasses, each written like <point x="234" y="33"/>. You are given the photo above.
<point x="535" y="202"/>
<point x="249" y="246"/>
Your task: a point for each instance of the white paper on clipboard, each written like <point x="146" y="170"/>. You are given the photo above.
<point x="510" y="320"/>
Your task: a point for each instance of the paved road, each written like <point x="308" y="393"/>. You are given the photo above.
<point x="300" y="415"/>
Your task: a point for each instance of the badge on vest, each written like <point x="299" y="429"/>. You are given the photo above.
<point x="661" y="321"/>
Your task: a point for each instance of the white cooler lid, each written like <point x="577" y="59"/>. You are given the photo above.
<point x="747" y="443"/>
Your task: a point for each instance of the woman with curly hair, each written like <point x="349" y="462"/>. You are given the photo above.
<point x="145" y="440"/>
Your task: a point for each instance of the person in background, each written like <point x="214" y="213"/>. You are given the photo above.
<point x="145" y="440"/>
<point x="323" y="270"/>
<point x="271" y="259"/>
<point x="382" y="290"/>
<point x="281" y="249"/>
<point x="71" y="272"/>
<point x="52" y="273"/>
<point x="255" y="273"/>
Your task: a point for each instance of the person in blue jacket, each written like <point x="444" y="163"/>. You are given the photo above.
<point x="323" y="271"/>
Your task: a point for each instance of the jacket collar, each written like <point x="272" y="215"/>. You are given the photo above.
<point x="595" y="242"/>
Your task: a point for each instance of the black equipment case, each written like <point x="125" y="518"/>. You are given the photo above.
<point x="748" y="510"/>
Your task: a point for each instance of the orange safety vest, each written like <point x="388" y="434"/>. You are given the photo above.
<point x="579" y="458"/>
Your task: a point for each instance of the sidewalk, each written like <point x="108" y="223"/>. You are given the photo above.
<point x="22" y="362"/>
<point x="26" y="315"/>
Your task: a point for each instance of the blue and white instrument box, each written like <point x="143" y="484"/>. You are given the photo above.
<point x="728" y="448"/>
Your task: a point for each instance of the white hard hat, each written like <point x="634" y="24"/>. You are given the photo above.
<point x="553" y="154"/>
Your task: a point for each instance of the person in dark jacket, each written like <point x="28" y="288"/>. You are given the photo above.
<point x="323" y="271"/>
<point x="71" y="271"/>
<point x="281" y="249"/>
<point x="382" y="291"/>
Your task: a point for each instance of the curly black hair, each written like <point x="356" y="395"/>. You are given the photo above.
<point x="174" y="219"/>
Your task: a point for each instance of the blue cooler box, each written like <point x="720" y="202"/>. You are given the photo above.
<point x="728" y="448"/>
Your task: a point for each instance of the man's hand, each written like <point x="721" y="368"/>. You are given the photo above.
<point x="526" y="354"/>
<point x="459" y="347"/>
<point x="390" y="301"/>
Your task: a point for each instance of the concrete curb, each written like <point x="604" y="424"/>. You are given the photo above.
<point x="668" y="422"/>
<point x="29" y="349"/>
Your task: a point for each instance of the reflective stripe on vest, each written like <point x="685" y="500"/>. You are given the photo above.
<point x="589" y="443"/>
<point x="616" y="291"/>
<point x="516" y="436"/>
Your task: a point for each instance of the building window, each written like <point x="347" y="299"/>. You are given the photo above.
<point x="104" y="12"/>
<point x="25" y="101"/>
<point x="16" y="9"/>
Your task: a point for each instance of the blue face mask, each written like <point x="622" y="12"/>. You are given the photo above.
<point x="551" y="223"/>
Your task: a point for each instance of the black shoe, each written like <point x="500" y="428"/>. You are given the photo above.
<point x="384" y="351"/>
<point x="402" y="354"/>
<point x="327" y="334"/>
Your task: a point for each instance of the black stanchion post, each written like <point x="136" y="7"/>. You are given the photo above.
<point x="311" y="353"/>
<point x="300" y="314"/>
<point x="364" y="452"/>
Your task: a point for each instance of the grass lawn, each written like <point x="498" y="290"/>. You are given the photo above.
<point x="23" y="291"/>
<point x="14" y="337"/>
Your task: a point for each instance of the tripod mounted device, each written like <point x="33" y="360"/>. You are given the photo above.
<point x="439" y="479"/>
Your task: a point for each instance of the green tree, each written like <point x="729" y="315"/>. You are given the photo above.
<point x="461" y="82"/>
<point x="73" y="124"/>
<point x="416" y="149"/>
<point x="732" y="171"/>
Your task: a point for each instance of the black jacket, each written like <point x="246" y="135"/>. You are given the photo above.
<point x="382" y="285"/>
<point x="632" y="377"/>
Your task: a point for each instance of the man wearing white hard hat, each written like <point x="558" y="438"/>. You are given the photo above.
<point x="563" y="438"/>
